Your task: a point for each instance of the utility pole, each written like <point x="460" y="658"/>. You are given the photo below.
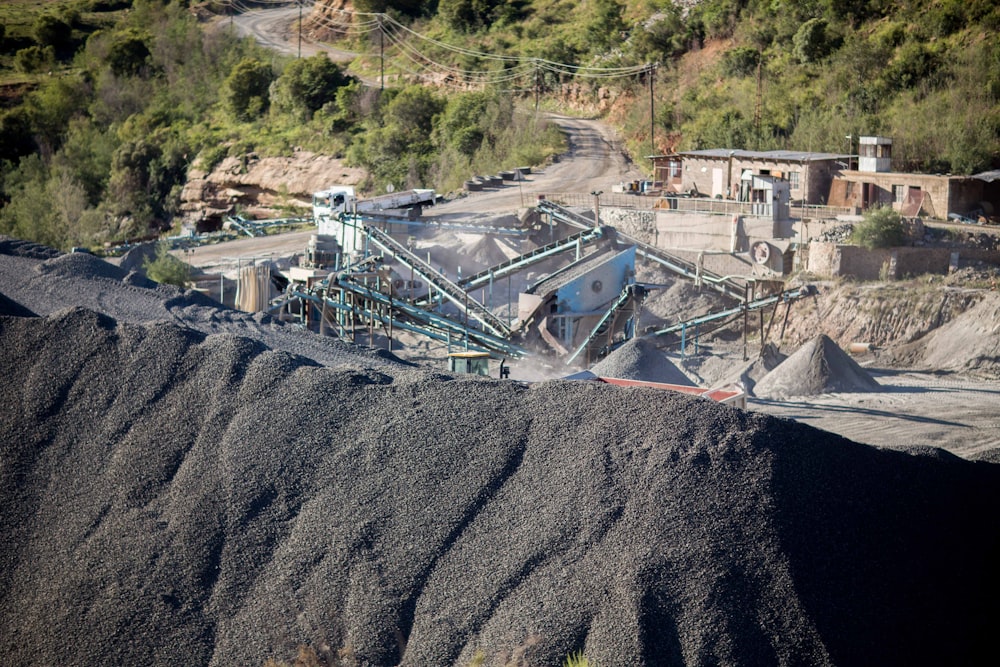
<point x="759" y="102"/>
<point x="381" y="51"/>
<point x="652" y="115"/>
<point x="300" y="28"/>
<point x="538" y="85"/>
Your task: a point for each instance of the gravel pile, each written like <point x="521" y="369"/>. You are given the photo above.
<point x="45" y="281"/>
<point x="640" y="359"/>
<point x="17" y="247"/>
<point x="175" y="496"/>
<point x="487" y="252"/>
<point x="818" y="367"/>
<point x="970" y="342"/>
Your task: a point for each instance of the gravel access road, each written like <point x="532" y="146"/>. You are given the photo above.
<point x="277" y="29"/>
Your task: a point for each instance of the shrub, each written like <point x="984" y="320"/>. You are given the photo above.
<point x="307" y="84"/>
<point x="880" y="228"/>
<point x="167" y="269"/>
<point x="53" y="31"/>
<point x="811" y="41"/>
<point x="741" y="61"/>
<point x="247" y="89"/>
<point x="128" y="55"/>
<point x="34" y="59"/>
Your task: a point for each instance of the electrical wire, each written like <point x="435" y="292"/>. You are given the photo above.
<point x="403" y="41"/>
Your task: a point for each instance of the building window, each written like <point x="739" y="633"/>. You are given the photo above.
<point x="793" y="180"/>
<point x="899" y="193"/>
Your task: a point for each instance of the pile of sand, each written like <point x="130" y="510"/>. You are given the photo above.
<point x="640" y="359"/>
<point x="970" y="342"/>
<point x="818" y="367"/>
<point x="487" y="252"/>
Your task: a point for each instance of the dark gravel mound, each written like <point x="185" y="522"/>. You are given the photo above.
<point x="28" y="249"/>
<point x="13" y="308"/>
<point x="818" y="367"/>
<point x="135" y="258"/>
<point x="640" y="359"/>
<point x="83" y="266"/>
<point x="51" y="282"/>
<point x="176" y="498"/>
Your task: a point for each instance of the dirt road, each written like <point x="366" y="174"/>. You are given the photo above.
<point x="277" y="29"/>
<point x="595" y="161"/>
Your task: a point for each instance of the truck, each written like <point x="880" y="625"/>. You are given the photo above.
<point x="338" y="199"/>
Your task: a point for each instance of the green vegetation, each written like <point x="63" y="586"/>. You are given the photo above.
<point x="114" y="107"/>
<point x="880" y="228"/>
<point x="577" y="659"/>
<point x="167" y="269"/>
<point x="926" y="72"/>
<point x="108" y="103"/>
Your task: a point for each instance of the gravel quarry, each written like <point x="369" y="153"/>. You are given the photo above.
<point x="184" y="484"/>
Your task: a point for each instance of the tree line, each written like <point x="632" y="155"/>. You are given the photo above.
<point x="130" y="96"/>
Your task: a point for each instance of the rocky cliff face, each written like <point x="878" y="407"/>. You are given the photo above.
<point x="261" y="187"/>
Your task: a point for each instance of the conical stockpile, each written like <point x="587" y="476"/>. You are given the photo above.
<point x="818" y="367"/>
<point x="640" y="359"/>
<point x="171" y="497"/>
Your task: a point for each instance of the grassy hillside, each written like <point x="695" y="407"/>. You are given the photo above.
<point x="758" y="74"/>
<point x="107" y="104"/>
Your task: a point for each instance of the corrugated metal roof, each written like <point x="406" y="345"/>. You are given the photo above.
<point x="774" y="156"/>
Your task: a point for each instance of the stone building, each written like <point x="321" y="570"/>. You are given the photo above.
<point x="719" y="172"/>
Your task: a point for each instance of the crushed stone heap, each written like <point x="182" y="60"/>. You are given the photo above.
<point x="640" y="359"/>
<point x="172" y="497"/>
<point x="818" y="367"/>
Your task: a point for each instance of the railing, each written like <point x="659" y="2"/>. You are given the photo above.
<point x="700" y="205"/>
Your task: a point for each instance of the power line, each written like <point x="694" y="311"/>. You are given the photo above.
<point x="406" y="42"/>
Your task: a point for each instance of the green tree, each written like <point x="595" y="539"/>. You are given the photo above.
<point x="34" y="58"/>
<point x="880" y="228"/>
<point x="606" y="25"/>
<point x="247" y="89"/>
<point x="408" y="7"/>
<point x="460" y="126"/>
<point x="400" y="150"/>
<point x="51" y="30"/>
<point x="467" y="15"/>
<point x="661" y="39"/>
<point x="811" y="42"/>
<point x="307" y="84"/>
<point x="740" y="61"/>
<point x="28" y="213"/>
<point x="129" y="187"/>
<point x="87" y="155"/>
<point x="51" y="107"/>
<point x="15" y="134"/>
<point x="129" y="55"/>
<point x="166" y="269"/>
